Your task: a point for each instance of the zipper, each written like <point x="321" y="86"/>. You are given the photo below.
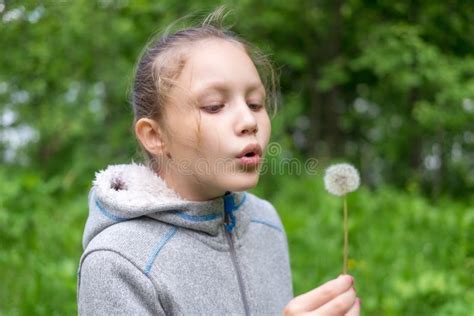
<point x="228" y="233"/>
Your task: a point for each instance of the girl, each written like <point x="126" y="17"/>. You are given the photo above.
<point x="180" y="235"/>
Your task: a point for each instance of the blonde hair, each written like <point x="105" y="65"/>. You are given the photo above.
<point x="163" y="59"/>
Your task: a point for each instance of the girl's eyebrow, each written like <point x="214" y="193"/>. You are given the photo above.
<point x="224" y="88"/>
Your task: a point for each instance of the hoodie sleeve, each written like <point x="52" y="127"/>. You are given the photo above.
<point x="109" y="284"/>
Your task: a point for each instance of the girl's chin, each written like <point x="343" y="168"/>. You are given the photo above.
<point x="243" y="182"/>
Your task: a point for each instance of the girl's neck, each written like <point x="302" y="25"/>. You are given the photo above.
<point x="189" y="189"/>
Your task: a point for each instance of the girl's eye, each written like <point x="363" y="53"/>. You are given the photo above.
<point x="212" y="108"/>
<point x="255" y="106"/>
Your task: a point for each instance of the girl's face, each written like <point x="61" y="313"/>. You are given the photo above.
<point x="215" y="111"/>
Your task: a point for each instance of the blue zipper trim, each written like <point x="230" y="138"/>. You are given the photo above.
<point x="229" y="207"/>
<point x="158" y="248"/>
<point x="198" y="218"/>
<point x="228" y="202"/>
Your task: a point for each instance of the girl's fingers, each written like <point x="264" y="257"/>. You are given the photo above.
<point x="355" y="309"/>
<point x="316" y="298"/>
<point x="338" y="306"/>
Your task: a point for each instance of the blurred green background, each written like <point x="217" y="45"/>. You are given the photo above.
<point x="385" y="85"/>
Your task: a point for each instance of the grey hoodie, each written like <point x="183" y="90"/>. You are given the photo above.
<point x="149" y="252"/>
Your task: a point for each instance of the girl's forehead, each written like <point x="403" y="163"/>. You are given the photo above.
<point x="212" y="54"/>
<point x="216" y="63"/>
<point x="218" y="42"/>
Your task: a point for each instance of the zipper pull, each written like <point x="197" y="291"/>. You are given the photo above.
<point x="229" y="222"/>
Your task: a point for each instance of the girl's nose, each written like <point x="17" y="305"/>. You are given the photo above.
<point x="250" y="130"/>
<point x="247" y="122"/>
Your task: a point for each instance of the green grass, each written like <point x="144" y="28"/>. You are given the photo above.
<point x="409" y="256"/>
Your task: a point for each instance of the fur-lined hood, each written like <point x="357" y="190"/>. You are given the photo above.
<point x="127" y="191"/>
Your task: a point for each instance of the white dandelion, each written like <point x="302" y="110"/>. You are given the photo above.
<point x="339" y="180"/>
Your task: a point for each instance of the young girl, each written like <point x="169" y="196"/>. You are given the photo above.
<point x="180" y="235"/>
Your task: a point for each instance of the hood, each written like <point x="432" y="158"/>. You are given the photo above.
<point x="129" y="191"/>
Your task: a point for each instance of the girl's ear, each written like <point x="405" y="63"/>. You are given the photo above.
<point x="150" y="135"/>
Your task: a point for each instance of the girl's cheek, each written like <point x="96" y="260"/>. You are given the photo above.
<point x="266" y="129"/>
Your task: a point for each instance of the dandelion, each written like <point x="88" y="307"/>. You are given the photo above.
<point x="339" y="180"/>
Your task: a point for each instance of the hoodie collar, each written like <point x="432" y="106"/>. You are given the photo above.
<point x="128" y="191"/>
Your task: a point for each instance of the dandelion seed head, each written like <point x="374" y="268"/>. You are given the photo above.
<point x="341" y="179"/>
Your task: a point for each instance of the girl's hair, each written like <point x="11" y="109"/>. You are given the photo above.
<point x="163" y="59"/>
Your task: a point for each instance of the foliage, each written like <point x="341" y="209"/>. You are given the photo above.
<point x="389" y="86"/>
<point x="409" y="257"/>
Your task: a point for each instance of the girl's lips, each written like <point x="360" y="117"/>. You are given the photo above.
<point x="249" y="161"/>
<point x="253" y="149"/>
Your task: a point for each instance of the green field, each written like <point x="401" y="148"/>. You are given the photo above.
<point x="409" y="256"/>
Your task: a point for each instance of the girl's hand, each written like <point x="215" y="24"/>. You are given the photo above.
<point x="334" y="298"/>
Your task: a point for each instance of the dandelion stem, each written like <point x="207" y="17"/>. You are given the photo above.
<point x="346" y="237"/>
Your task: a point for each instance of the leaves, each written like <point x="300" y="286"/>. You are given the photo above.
<point x="389" y="86"/>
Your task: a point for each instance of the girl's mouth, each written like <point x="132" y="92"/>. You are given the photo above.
<point x="249" y="159"/>
<point x="250" y="155"/>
